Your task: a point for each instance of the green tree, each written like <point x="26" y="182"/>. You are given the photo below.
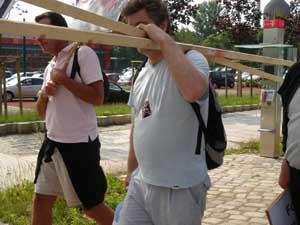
<point x="181" y="11"/>
<point x="205" y="18"/>
<point x="187" y="36"/>
<point x="293" y="24"/>
<point x="241" y="19"/>
<point x="222" y="41"/>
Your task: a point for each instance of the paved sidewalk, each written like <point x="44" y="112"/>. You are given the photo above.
<point x="242" y="189"/>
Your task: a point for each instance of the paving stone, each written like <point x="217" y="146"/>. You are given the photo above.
<point x="259" y="220"/>
<point x="239" y="217"/>
<point x="255" y="214"/>
<point x="212" y="221"/>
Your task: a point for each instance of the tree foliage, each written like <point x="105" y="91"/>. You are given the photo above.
<point x="205" y="18"/>
<point x="181" y="11"/>
<point x="218" y="41"/>
<point x="187" y="36"/>
<point x="293" y="24"/>
<point x="241" y="19"/>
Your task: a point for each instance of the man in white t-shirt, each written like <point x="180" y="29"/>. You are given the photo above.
<point x="69" y="159"/>
<point x="290" y="170"/>
<point x="167" y="181"/>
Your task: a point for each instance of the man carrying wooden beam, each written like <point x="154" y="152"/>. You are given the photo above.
<point x="69" y="159"/>
<point x="167" y="181"/>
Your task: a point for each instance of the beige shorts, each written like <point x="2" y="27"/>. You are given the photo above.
<point x="54" y="180"/>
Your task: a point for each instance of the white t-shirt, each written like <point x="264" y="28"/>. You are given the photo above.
<point x="166" y="128"/>
<point x="293" y="141"/>
<point x="68" y="118"/>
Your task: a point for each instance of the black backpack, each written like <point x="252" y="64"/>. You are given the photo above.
<point x="76" y="68"/>
<point x="214" y="132"/>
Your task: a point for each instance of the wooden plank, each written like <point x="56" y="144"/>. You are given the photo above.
<point x="62" y="33"/>
<point x="237" y="55"/>
<point x="240" y="67"/>
<point x="132" y="31"/>
<point x="87" y="16"/>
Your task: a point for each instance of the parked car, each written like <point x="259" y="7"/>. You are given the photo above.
<point x="38" y="75"/>
<point x="30" y="88"/>
<point x="125" y="79"/>
<point x="217" y="78"/>
<point x="113" y="77"/>
<point x="116" y="94"/>
<point x="22" y="74"/>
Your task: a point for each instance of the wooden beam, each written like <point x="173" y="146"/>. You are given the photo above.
<point x="63" y="33"/>
<point x="237" y="55"/>
<point x="87" y="16"/>
<point x="243" y="68"/>
<point x="98" y="20"/>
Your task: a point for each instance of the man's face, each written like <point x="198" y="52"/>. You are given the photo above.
<point x="48" y="45"/>
<point x="142" y="17"/>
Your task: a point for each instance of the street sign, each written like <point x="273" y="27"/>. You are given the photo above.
<point x="276" y="23"/>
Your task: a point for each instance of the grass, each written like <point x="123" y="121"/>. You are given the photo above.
<point x="234" y="100"/>
<point x="122" y="108"/>
<point x="105" y="110"/>
<point x="251" y="147"/>
<point x="16" y="205"/>
<point x="113" y="109"/>
<point x="17" y="117"/>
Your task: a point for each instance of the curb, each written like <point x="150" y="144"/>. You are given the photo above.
<point x="39" y="126"/>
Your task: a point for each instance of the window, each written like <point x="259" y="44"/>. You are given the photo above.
<point x="26" y="82"/>
<point x="37" y="81"/>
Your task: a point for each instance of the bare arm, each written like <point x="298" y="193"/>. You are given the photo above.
<point x="132" y="163"/>
<point x="191" y="83"/>
<point x="284" y="178"/>
<point x="92" y="93"/>
<point x="41" y="105"/>
<point x="48" y="90"/>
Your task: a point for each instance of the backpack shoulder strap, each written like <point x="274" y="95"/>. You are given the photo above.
<point x="202" y="127"/>
<point x="76" y="66"/>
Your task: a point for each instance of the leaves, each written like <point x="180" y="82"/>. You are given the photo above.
<point x="293" y="24"/>
<point x="241" y="19"/>
<point x="205" y="18"/>
<point x="180" y="11"/>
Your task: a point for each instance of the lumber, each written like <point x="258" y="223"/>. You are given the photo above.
<point x="69" y="34"/>
<point x="63" y="33"/>
<point x="120" y="27"/>
<point x="87" y="16"/>
<point x="243" y="68"/>
<point x="207" y="51"/>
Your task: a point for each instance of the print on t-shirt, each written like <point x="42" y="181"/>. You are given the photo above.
<point x="146" y="110"/>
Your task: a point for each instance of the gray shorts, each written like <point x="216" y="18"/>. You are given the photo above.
<point x="146" y="204"/>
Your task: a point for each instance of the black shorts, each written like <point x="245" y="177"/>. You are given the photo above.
<point x="82" y="161"/>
